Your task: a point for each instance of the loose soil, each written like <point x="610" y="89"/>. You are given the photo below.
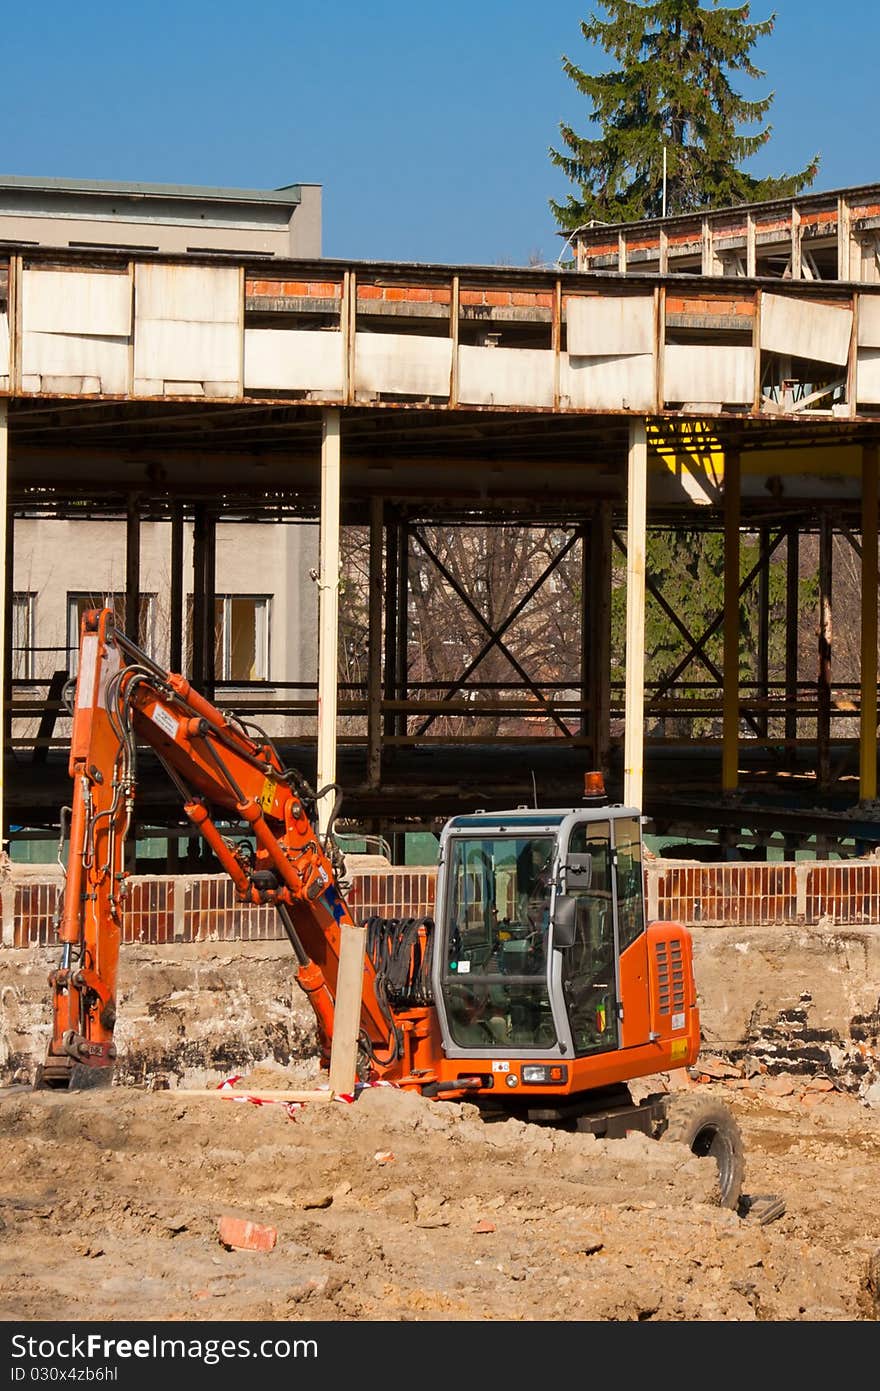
<point x="395" y="1207"/>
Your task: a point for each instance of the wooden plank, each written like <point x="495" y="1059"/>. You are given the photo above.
<point x="239" y="1094"/>
<point x="347" y="1009"/>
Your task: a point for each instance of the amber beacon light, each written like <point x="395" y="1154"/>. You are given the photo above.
<point x="594" y="785"/>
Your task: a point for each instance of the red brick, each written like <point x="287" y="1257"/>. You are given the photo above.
<point x="245" y="1235"/>
<point x="369" y="292"/>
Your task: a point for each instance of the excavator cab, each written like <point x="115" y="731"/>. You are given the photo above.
<point x="534" y="911"/>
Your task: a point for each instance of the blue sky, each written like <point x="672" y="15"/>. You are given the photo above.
<point x="427" y="125"/>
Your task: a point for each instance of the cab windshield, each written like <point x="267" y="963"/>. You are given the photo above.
<point x="498" y="915"/>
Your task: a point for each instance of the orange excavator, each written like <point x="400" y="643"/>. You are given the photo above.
<point x="538" y="989"/>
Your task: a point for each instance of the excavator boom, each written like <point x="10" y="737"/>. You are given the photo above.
<point x="228" y="775"/>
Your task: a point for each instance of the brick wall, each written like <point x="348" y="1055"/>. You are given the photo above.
<point x="200" y="909"/>
<point x="190" y="909"/>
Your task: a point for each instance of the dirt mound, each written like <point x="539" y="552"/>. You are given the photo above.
<point x="396" y="1207"/>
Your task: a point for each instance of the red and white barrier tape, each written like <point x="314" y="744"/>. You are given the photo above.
<point x="291" y="1107"/>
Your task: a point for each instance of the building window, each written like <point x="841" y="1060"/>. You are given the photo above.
<point x="241" y="636"/>
<point x="78" y="604"/>
<point x="23" y="636"/>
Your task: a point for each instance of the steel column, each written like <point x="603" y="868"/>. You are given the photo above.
<point x="763" y="672"/>
<point x="374" y="664"/>
<point x="133" y="570"/>
<point x="210" y="631"/>
<point x="636" y="543"/>
<point x="199" y="602"/>
<point x="390" y="721"/>
<point x="823" y="677"/>
<point x="868" y="716"/>
<point x="328" y="610"/>
<point x="598" y="682"/>
<point x="175" y="598"/>
<point x="792" y="590"/>
<point x="730" y="701"/>
<point x="401" y="661"/>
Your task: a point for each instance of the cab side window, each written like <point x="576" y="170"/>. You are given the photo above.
<point x="630" y="893"/>
<point x="588" y="966"/>
<point x="591" y="841"/>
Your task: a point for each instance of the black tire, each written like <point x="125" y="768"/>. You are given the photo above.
<point x="709" y="1130"/>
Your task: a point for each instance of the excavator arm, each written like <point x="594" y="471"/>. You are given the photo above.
<point x="228" y="773"/>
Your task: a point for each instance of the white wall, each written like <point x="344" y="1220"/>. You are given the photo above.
<point x="55" y="558"/>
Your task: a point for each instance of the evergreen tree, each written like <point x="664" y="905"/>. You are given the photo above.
<point x="671" y="89"/>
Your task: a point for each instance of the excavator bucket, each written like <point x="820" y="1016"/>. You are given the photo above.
<point x="64" y="1074"/>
